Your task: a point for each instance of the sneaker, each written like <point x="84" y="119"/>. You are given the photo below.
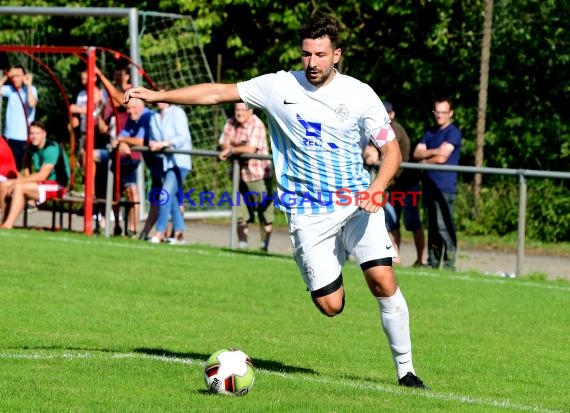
<point x="117" y="231"/>
<point x="154" y="240"/>
<point x="411" y="380"/>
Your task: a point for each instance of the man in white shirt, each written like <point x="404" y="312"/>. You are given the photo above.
<point x="320" y="120"/>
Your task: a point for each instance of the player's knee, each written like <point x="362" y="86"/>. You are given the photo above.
<point x="330" y="308"/>
<point x="330" y="298"/>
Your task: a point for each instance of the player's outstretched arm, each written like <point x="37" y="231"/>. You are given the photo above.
<point x="202" y="94"/>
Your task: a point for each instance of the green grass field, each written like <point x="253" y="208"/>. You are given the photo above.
<point x="99" y="325"/>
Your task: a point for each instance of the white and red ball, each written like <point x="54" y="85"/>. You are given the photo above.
<point x="229" y="371"/>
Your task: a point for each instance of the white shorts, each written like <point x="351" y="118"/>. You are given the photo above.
<point x="321" y="243"/>
<point x="49" y="190"/>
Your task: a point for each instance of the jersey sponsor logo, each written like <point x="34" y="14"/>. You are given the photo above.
<point x="288" y="102"/>
<point x="313" y="140"/>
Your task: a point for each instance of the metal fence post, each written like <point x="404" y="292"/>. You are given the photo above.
<point x="522" y="223"/>
<point x="236" y="199"/>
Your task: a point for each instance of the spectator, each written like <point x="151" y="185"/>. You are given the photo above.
<point x="170" y="130"/>
<point x="135" y="133"/>
<point x="46" y="177"/>
<point x="404" y="190"/>
<point x="8" y="168"/>
<point x="440" y="145"/>
<point x="20" y="110"/>
<point x="79" y="109"/>
<point x="115" y="113"/>
<point x="245" y="133"/>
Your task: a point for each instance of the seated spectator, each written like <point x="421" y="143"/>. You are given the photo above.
<point x="8" y="168"/>
<point x="111" y="120"/>
<point x="44" y="178"/>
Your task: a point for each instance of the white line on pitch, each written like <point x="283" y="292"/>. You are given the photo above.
<point x="433" y="395"/>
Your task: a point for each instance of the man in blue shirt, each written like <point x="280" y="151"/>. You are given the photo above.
<point x="440" y="145"/>
<point x="20" y="109"/>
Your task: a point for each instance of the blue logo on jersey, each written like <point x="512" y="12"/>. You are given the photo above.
<point x="313" y="135"/>
<point x="311" y="128"/>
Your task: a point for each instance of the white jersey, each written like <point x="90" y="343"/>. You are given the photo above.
<point x="317" y="136"/>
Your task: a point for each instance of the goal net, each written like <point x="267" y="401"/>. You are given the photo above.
<point x="171" y="56"/>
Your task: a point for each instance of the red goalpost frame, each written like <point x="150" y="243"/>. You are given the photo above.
<point x="89" y="52"/>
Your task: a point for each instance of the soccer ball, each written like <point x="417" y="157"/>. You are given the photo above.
<point x="229" y="371"/>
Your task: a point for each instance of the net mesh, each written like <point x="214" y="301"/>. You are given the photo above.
<point x="170" y="57"/>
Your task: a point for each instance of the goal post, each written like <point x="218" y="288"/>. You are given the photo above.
<point x="38" y="53"/>
<point x="167" y="46"/>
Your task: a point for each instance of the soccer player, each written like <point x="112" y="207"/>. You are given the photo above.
<point x="319" y="121"/>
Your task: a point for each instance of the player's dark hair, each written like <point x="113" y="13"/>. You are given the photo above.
<point x="322" y="25"/>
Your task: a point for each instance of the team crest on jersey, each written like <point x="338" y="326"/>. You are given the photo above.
<point x="341" y="112"/>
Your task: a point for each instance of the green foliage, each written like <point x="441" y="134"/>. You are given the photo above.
<point x="409" y="51"/>
<point x="498" y="209"/>
<point x="547" y="210"/>
<point x="548" y="213"/>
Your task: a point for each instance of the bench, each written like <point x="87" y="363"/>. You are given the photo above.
<point x="73" y="205"/>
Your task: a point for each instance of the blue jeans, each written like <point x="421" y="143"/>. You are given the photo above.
<point x="442" y="239"/>
<point x="173" y="181"/>
<point x="406" y="206"/>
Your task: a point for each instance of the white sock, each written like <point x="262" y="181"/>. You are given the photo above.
<point x="396" y="323"/>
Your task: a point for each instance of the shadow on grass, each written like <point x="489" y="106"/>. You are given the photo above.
<point x="270" y="365"/>
<point x="259" y="253"/>
<point x="375" y="380"/>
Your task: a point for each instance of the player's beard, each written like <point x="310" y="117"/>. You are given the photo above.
<point x="318" y="80"/>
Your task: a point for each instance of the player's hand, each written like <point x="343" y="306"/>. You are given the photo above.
<point x="139" y="93"/>
<point x="369" y="203"/>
